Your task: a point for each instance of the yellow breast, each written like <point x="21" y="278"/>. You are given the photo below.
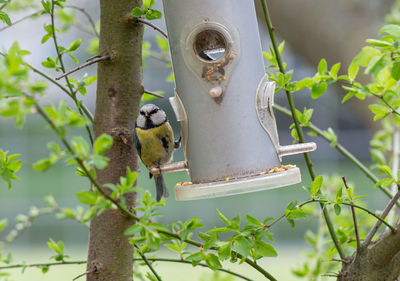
<point x="157" y="144"/>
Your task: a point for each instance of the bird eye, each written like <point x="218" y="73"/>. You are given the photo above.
<point x="153" y="111"/>
<point x="141" y="112"/>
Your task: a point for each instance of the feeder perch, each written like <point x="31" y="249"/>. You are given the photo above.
<point x="223" y="101"/>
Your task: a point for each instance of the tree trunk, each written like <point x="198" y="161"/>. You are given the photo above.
<point x="380" y="261"/>
<point x="119" y="90"/>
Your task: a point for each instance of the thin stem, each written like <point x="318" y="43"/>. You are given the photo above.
<point x="353" y="212"/>
<point x="153" y="26"/>
<point x="159" y="57"/>
<point x="22" y="19"/>
<point x="149" y="265"/>
<point x="107" y="57"/>
<point x="90" y="19"/>
<point x="387" y="104"/>
<point x="275" y="221"/>
<point x="298" y="128"/>
<point x="385" y="212"/>
<point x="200" y="264"/>
<point x="41" y="264"/>
<point x="85" y="273"/>
<point x="153" y="94"/>
<point x="343" y="151"/>
<point x="350" y="204"/>
<point x="59" y="56"/>
<point x="395" y="168"/>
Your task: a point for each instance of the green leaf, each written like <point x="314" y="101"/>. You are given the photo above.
<point x="137" y="12"/>
<point x="242" y="246"/>
<point x="224" y="250"/>
<point x="281" y="47"/>
<point x="384" y="182"/>
<point x="264" y="249"/>
<point x="136" y="228"/>
<point x="379" y="110"/>
<point x="396" y="70"/>
<point x="378" y="156"/>
<point x="47" y="6"/>
<point x="391" y="29"/>
<point x="87" y="197"/>
<point x="74" y="45"/>
<point x="49" y="63"/>
<point x="322" y="67"/>
<point x="195" y="257"/>
<point x="379" y="43"/>
<point x="365" y="56"/>
<point x="223" y="218"/>
<point x="4" y="17"/>
<point x="352" y="70"/>
<point x="316" y="185"/>
<point x="318" y="89"/>
<point x="253" y="221"/>
<point x="102" y="144"/>
<point x="213" y="261"/>
<point x="377" y="64"/>
<point x="42" y="165"/>
<point x="334" y="70"/>
<point x="3" y="224"/>
<point x="152" y="14"/>
<point x="337" y="208"/>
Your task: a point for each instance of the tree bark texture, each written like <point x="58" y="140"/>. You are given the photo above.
<point x="380" y="261"/>
<point x="119" y="90"/>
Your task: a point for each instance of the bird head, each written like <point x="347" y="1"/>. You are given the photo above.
<point x="150" y="116"/>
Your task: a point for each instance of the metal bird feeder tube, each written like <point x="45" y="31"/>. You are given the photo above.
<point x="223" y="101"/>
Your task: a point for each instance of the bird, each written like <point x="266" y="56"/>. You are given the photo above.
<point x="154" y="141"/>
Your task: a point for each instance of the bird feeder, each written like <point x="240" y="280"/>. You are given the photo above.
<point x="223" y="101"/>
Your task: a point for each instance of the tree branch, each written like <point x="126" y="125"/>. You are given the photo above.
<point x="153" y="94"/>
<point x="298" y="128"/>
<point x="153" y="26"/>
<point x="21" y="19"/>
<point x="90" y="19"/>
<point x="96" y="60"/>
<point x="385" y="212"/>
<point x="149" y="265"/>
<point x="353" y="212"/>
<point x="342" y="150"/>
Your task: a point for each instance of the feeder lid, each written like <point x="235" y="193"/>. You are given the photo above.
<point x="237" y="186"/>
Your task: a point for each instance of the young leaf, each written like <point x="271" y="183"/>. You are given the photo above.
<point x="391" y="29"/>
<point x="242" y="246"/>
<point x="322" y="67"/>
<point x="316" y="185"/>
<point x="318" y="89"/>
<point x="87" y="197"/>
<point x="102" y="144"/>
<point x="4" y="17"/>
<point x="353" y="70"/>
<point x="264" y="249"/>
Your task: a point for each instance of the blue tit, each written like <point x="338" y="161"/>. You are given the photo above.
<point x="154" y="140"/>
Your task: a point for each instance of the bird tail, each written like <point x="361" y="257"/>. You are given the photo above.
<point x="161" y="187"/>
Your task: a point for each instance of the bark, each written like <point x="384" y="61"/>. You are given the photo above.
<point x="119" y="91"/>
<point x="380" y="261"/>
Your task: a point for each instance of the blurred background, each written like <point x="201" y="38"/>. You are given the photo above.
<point x="335" y="30"/>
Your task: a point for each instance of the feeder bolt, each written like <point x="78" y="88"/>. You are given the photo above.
<point x="215" y="92"/>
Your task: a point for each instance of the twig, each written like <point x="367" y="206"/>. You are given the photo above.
<point x="199" y="264"/>
<point x="153" y="94"/>
<point x="59" y="56"/>
<point x="342" y="150"/>
<point x="385" y="212"/>
<point x="21" y="19"/>
<point x="85" y="273"/>
<point x="149" y="265"/>
<point x="41" y="264"/>
<point x="350" y="204"/>
<point x="90" y="19"/>
<point x="353" y="212"/>
<point x="107" y="57"/>
<point x="395" y="168"/>
<point x="153" y="26"/>
<point x="300" y="135"/>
